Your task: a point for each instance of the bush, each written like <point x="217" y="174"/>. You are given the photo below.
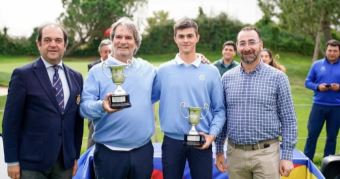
<point x="158" y="40"/>
<point x="278" y="39"/>
<point x="214" y="31"/>
<point x="17" y="46"/>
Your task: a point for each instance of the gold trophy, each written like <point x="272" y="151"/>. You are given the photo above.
<point x="120" y="98"/>
<point x="193" y="138"/>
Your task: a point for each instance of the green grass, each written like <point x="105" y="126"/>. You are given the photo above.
<point x="297" y="69"/>
<point x="4" y="77"/>
<point x="2" y="105"/>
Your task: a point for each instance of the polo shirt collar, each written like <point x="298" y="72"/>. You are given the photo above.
<point x="180" y="61"/>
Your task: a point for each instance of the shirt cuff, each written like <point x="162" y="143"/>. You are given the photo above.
<point x="287" y="155"/>
<point x="12" y="163"/>
<point x="213" y="132"/>
<point x="219" y="147"/>
<point x="100" y="106"/>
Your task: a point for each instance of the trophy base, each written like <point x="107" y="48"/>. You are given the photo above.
<point x="194" y="140"/>
<point x="120" y="101"/>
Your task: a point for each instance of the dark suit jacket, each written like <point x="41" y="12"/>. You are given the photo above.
<point x="35" y="131"/>
<point x="89" y="66"/>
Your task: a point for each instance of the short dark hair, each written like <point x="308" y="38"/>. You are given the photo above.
<point x="41" y="28"/>
<point x="230" y="43"/>
<point x="185" y="23"/>
<point x="333" y="42"/>
<point x="250" y="28"/>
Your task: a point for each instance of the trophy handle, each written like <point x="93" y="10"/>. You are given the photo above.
<point x="182" y="105"/>
<point x="205" y="108"/>
<point x="104" y="67"/>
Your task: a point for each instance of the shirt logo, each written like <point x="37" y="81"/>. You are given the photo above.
<point x="201" y="77"/>
<point x="323" y="68"/>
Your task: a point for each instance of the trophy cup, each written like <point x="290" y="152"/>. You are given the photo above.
<point x="193" y="138"/>
<point x="120" y="98"/>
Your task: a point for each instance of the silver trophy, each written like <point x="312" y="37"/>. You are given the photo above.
<point x="120" y="98"/>
<point x="193" y="138"/>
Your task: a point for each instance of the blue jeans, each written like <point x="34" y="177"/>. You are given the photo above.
<point x="318" y="115"/>
<point x="175" y="154"/>
<point x="134" y="164"/>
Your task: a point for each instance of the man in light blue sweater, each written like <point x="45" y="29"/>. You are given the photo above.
<point x="123" y="148"/>
<point x="185" y="80"/>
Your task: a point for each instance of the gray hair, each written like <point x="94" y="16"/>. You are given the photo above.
<point x="128" y="23"/>
<point x="103" y="43"/>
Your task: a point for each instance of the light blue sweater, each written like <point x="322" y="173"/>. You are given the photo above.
<point x="131" y="127"/>
<point x="195" y="85"/>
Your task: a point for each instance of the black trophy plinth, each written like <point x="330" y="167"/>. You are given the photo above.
<point x="120" y="101"/>
<point x="194" y="140"/>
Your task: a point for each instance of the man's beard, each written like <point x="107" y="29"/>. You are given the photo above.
<point x="249" y="58"/>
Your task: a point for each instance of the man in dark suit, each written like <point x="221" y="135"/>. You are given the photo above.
<point x="42" y="127"/>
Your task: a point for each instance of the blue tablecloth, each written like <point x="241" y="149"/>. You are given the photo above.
<point x="303" y="167"/>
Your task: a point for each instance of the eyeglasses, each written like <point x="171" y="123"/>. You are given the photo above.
<point x="251" y="43"/>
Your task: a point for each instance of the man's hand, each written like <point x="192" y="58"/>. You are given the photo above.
<point x="75" y="168"/>
<point x="323" y="87"/>
<point x="335" y="87"/>
<point x="204" y="59"/>
<point x="286" y="166"/>
<point x="208" y="140"/>
<point x="220" y="163"/>
<point x="13" y="171"/>
<point x="106" y="104"/>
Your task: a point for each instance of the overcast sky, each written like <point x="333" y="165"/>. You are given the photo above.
<point x="21" y="16"/>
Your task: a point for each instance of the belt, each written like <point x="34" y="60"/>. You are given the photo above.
<point x="259" y="145"/>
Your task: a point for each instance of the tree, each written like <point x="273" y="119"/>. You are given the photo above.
<point x="158" y="36"/>
<point x="268" y="9"/>
<point x="313" y="18"/>
<point x="86" y="20"/>
<point x="214" y="31"/>
<point x="159" y="18"/>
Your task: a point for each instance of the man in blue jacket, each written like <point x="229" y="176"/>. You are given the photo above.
<point x="42" y="127"/>
<point x="324" y="79"/>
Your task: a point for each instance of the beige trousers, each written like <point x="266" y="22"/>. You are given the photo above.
<point x="254" y="164"/>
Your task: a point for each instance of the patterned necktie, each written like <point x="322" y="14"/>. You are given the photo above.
<point x="58" y="87"/>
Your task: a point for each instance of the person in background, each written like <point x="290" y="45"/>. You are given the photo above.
<point x="42" y="127"/>
<point x="104" y="50"/>
<point x="123" y="147"/>
<point x="227" y="61"/>
<point x="186" y="80"/>
<point x="324" y="79"/>
<point x="259" y="110"/>
<point x="267" y="57"/>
